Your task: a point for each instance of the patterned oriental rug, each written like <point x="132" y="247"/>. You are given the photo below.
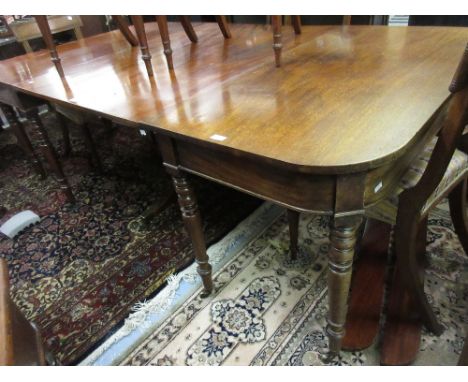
<point x="79" y="271"/>
<point x="269" y="310"/>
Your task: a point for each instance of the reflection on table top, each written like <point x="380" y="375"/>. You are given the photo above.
<point x="346" y="98"/>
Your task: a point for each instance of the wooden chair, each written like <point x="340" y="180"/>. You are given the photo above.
<point x="26" y="30"/>
<point x="43" y="24"/>
<point x="29" y="30"/>
<point x="139" y="26"/>
<point x="20" y="340"/>
<point x="441" y="170"/>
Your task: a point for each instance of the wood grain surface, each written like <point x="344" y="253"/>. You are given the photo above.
<point x="346" y="99"/>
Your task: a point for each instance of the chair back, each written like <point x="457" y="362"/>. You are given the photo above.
<point x="449" y="137"/>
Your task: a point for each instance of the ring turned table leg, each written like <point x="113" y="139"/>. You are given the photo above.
<point x="343" y="237"/>
<point x="48" y="151"/>
<point x="192" y="219"/>
<point x="189" y="209"/>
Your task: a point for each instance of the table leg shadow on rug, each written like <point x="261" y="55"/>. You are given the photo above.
<point x="79" y="271"/>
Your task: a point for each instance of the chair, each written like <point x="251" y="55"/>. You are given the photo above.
<point x="26" y="30"/>
<point x="139" y="26"/>
<point x="138" y="23"/>
<point x="43" y="24"/>
<point x="441" y="170"/>
<point x="20" y="340"/>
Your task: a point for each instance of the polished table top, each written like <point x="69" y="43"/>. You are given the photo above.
<point x="346" y="99"/>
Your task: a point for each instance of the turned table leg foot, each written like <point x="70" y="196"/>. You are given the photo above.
<point x="343" y="237"/>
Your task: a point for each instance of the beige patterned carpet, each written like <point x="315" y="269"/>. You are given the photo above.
<point x="269" y="310"/>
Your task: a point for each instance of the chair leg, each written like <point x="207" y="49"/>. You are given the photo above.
<point x="94" y="156"/>
<point x="164" y="32"/>
<point x="125" y="30"/>
<point x="408" y="261"/>
<point x="188" y="28"/>
<point x="293" y="220"/>
<point x="457" y="203"/>
<point x="277" y="45"/>
<point x="223" y="25"/>
<point x="141" y="34"/>
<point x="346" y="20"/>
<point x="44" y="27"/>
<point x="296" y="22"/>
<point x="23" y="140"/>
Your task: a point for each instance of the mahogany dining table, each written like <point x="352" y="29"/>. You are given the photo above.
<point x="330" y="132"/>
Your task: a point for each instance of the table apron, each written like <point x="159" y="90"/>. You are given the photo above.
<point x="292" y="189"/>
